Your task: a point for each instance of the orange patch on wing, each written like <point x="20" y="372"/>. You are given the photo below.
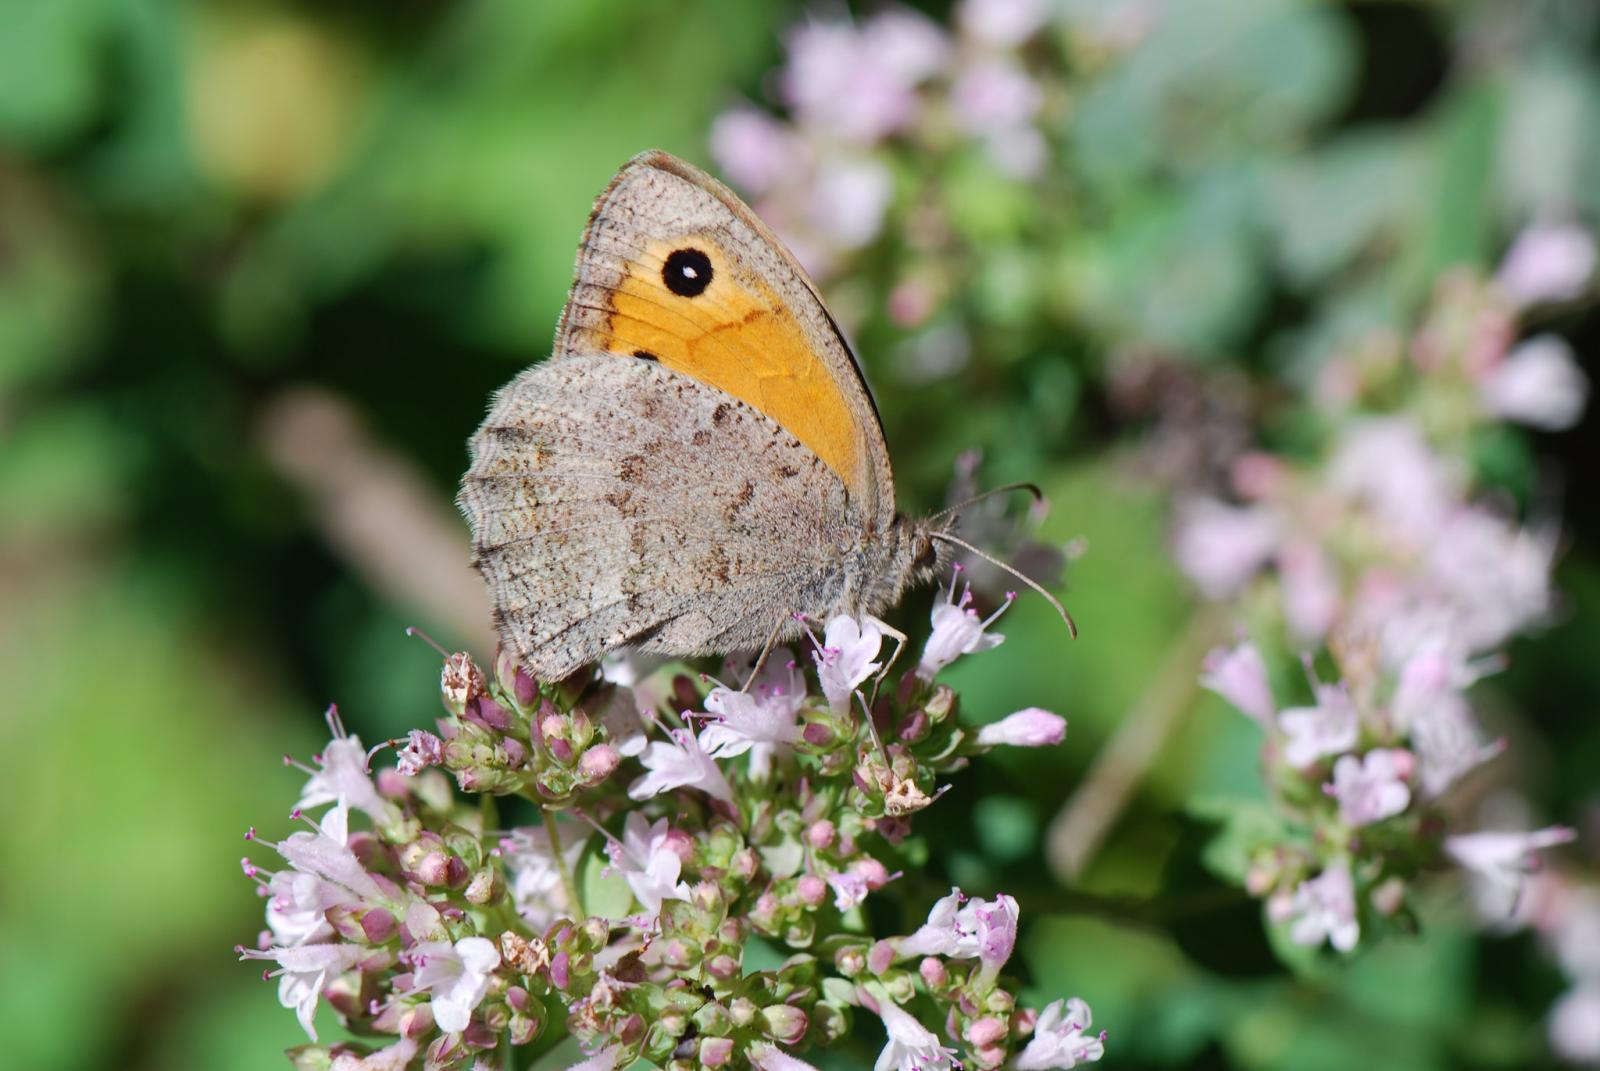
<point x="741" y="340"/>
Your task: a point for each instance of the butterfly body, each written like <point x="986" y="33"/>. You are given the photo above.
<point x="699" y="462"/>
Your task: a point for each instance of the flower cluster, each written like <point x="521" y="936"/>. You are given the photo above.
<point x="681" y="825"/>
<point x="1380" y="556"/>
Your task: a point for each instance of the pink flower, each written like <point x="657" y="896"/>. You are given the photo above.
<point x="848" y="200"/>
<point x="458" y="976"/>
<point x="753" y="149"/>
<point x="1006" y="23"/>
<point x="765" y="1056"/>
<point x="849" y="648"/>
<point x="325" y="853"/>
<point x="860" y="84"/>
<point x="1026" y="728"/>
<point x="985" y="930"/>
<point x="682" y="763"/>
<point x="911" y="1046"/>
<point x="1372" y="787"/>
<point x="1221" y="547"/>
<point x="1240" y="676"/>
<point x="1574" y="1024"/>
<point x="1539" y="384"/>
<point x="957" y="629"/>
<point x="760" y="721"/>
<point x="536" y="887"/>
<point x="1326" y="910"/>
<point x="1504" y="860"/>
<point x="1058" y="1038"/>
<point x="1310" y="590"/>
<point x="341" y="770"/>
<point x="648" y="862"/>
<point x="422" y="749"/>
<point x="993" y="94"/>
<point x="1547" y="262"/>
<point x="304" y="972"/>
<point x="1386" y="463"/>
<point x="1328" y="728"/>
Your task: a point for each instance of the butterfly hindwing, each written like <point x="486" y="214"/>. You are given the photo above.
<point x="622" y="502"/>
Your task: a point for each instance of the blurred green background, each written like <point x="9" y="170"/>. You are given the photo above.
<point x="261" y="265"/>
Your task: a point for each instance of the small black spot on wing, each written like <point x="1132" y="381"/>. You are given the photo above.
<point x="646" y="355"/>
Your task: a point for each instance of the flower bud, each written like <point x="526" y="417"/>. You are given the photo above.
<point x="934" y="974"/>
<point x="715" y="1052"/>
<point x="880" y="957"/>
<point x="713" y="1018"/>
<point x="378" y="925"/>
<point x="817" y="735"/>
<point x="813" y="890"/>
<point x="485" y="886"/>
<point x="673" y="1023"/>
<point x="722" y="967"/>
<point x="820" y="834"/>
<point x="940" y="704"/>
<point x="914" y="728"/>
<point x="784" y="1023"/>
<point x="742" y="1011"/>
<point x="986" y="1031"/>
<point x="460" y="682"/>
<point x="560" y="967"/>
<point x="515" y="680"/>
<point x="597" y="764"/>
<point x="990" y="1057"/>
<point x="850" y="960"/>
<point x="486" y="710"/>
<point x="744" y="864"/>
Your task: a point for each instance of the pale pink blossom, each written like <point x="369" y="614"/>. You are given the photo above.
<point x="1574" y="1024"/>
<point x="994" y="93"/>
<point x="536" y="886"/>
<point x="847" y="658"/>
<point x="1504" y="860"/>
<point x="1329" y="728"/>
<point x="457" y="976"/>
<point x="1310" y="590"/>
<point x="1006" y="23"/>
<point x="1372" y="787"/>
<point x="680" y="763"/>
<point x="341" y="770"/>
<point x="1239" y="675"/>
<point x="1448" y="742"/>
<point x="1220" y="547"/>
<point x="859" y="84"/>
<point x="422" y="749"/>
<point x="297" y="906"/>
<point x="754" y="150"/>
<point x="1386" y="463"/>
<point x="1059" y="1040"/>
<point x="304" y="972"/>
<point x="1539" y="384"/>
<point x="911" y="1046"/>
<point x="761" y="721"/>
<point x="325" y="853"/>
<point x="957" y="629"/>
<point x="647" y="860"/>
<point x="1494" y="575"/>
<point x="1547" y="262"/>
<point x="765" y="1056"/>
<point x="848" y="199"/>
<point x="1324" y="909"/>
<point x="985" y="930"/>
<point x="1026" y="728"/>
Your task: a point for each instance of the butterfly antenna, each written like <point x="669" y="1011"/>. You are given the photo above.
<point x="1006" y="489"/>
<point x="1072" y="627"/>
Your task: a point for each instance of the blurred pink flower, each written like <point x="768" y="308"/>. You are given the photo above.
<point x="1220" y="547"/>
<point x="1503" y="860"/>
<point x="1574" y="1024"/>
<point x="1310" y="590"/>
<point x="1386" y="462"/>
<point x="1240" y="676"/>
<point x="1006" y="23"/>
<point x="994" y="93"/>
<point x="859" y="84"/>
<point x="1372" y="787"/>
<point x="1539" y="384"/>
<point x="1324" y="909"/>
<point x="1547" y="262"/>
<point x="848" y="201"/>
<point x="1328" y="728"/>
<point x="1026" y="728"/>
<point x="754" y="150"/>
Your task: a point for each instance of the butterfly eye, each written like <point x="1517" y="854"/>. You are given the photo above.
<point x="687" y="272"/>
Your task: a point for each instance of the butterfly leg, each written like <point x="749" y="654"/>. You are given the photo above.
<point x="899" y="646"/>
<point x="766" y="652"/>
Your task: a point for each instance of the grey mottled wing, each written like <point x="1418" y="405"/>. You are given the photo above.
<point x="617" y="502"/>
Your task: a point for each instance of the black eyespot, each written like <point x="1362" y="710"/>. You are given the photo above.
<point x="687" y="272"/>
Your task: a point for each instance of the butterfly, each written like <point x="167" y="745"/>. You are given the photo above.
<point x="699" y="467"/>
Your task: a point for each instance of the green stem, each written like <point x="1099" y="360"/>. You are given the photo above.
<point x="569" y="886"/>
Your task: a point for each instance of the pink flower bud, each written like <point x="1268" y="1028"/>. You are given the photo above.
<point x="784" y="1023"/>
<point x="714" y="1052"/>
<point x="820" y="834"/>
<point x="812" y="889"/>
<point x="680" y="844"/>
<point x="880" y="957"/>
<point x="378" y="925"/>
<point x="722" y="967"/>
<point x="434" y="869"/>
<point x="1240" y="676"/>
<point x="990" y="1056"/>
<point x="914" y="727"/>
<point x="598" y="763"/>
<point x="560" y="965"/>
<point x="986" y="1032"/>
<point x="1026" y="728"/>
<point x="873" y="872"/>
<point x="817" y="734"/>
<point x="491" y="713"/>
<point x="934" y="974"/>
<point x="559" y="749"/>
